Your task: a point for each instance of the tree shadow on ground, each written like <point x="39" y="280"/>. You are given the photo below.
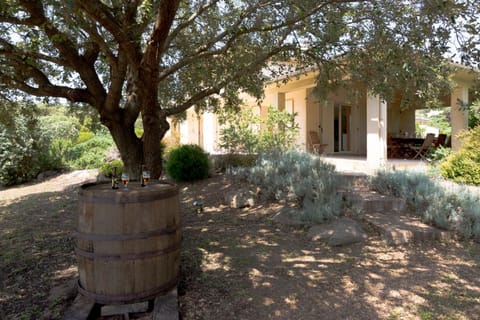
<point x="247" y="267"/>
<point x="239" y="264"/>
<point x="36" y="241"/>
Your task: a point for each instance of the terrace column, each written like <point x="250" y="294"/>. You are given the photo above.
<point x="279" y="100"/>
<point x="376" y="132"/>
<point x="458" y="114"/>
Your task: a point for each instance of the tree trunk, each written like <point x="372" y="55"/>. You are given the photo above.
<point x="130" y="147"/>
<point x="155" y="127"/>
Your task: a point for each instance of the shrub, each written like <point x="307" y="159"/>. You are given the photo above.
<point x="464" y="165"/>
<point x="440" y="154"/>
<point x="223" y="161"/>
<point x="245" y="132"/>
<point x="91" y="153"/>
<point x="107" y="168"/>
<point x="56" y="126"/>
<point x="84" y="136"/>
<point x="20" y="143"/>
<point x="312" y="181"/>
<point x="187" y="163"/>
<point x="456" y="209"/>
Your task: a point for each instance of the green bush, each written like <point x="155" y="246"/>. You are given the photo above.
<point x="20" y="142"/>
<point x="84" y="136"/>
<point x="107" y="168"/>
<point x="245" y="132"/>
<point x="59" y="126"/>
<point x="464" y="165"/>
<point x="312" y="182"/>
<point x="440" y="154"/>
<point x="188" y="163"/>
<point x="91" y="153"/>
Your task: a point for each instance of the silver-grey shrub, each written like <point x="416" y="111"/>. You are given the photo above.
<point x="311" y="181"/>
<point x="456" y="209"/>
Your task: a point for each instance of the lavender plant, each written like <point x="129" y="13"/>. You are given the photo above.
<point x="311" y="180"/>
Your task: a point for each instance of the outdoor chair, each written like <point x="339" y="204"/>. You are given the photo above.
<point x="316" y="145"/>
<point x="393" y="150"/>
<point x="442" y="138"/>
<point x="448" y="142"/>
<point x="422" y="151"/>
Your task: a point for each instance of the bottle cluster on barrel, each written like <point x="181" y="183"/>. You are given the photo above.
<point x="144" y="178"/>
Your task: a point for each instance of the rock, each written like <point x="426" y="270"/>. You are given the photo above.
<point x="47" y="174"/>
<point x="166" y="306"/>
<point x="399" y="230"/>
<point x="289" y="216"/>
<point x="81" y="309"/>
<point x="65" y="291"/>
<point x="111" y="310"/>
<point x="240" y="199"/>
<point x="340" y="232"/>
<point x="102" y="178"/>
<point x="374" y="202"/>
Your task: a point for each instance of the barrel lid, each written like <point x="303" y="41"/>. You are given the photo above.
<point x="103" y="192"/>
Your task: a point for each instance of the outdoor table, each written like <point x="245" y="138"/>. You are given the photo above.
<point x="403" y="145"/>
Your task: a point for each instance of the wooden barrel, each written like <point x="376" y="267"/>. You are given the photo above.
<point x="128" y="242"/>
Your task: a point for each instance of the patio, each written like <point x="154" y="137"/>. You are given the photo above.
<point x="359" y="164"/>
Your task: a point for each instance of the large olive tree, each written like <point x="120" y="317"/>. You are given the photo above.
<point x="157" y="58"/>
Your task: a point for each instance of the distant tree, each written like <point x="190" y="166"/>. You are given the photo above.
<point x="156" y="59"/>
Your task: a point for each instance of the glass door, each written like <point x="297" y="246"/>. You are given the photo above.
<point x="341" y="128"/>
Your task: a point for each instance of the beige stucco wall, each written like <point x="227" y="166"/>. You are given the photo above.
<point x="313" y="114"/>
<point x="297" y="99"/>
<point x="400" y="121"/>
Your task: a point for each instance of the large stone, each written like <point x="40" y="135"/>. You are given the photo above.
<point x="64" y="291"/>
<point x="166" y="306"/>
<point x="122" y="309"/>
<point x="81" y="309"/>
<point x="289" y="216"/>
<point x="340" y="232"/>
<point x="240" y="198"/>
<point x="397" y="230"/>
<point x="374" y="202"/>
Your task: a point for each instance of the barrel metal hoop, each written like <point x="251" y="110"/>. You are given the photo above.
<point x="124" y="237"/>
<point x="127" y="256"/>
<point x="128" y="298"/>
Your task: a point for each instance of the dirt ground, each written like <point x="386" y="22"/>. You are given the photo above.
<point x="238" y="263"/>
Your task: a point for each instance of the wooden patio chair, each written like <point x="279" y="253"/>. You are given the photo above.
<point x="442" y="138"/>
<point x="393" y="150"/>
<point x="448" y="142"/>
<point x="422" y="151"/>
<point x="316" y="145"/>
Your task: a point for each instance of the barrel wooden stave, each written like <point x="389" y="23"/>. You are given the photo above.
<point x="128" y="251"/>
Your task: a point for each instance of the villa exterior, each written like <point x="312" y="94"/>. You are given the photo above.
<point x="348" y="128"/>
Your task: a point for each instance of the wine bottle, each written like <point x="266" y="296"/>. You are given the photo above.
<point x="141" y="175"/>
<point x="114" y="178"/>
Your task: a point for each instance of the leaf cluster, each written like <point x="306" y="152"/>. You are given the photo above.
<point x="244" y="131"/>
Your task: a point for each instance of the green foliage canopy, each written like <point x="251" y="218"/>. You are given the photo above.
<point x="157" y="58"/>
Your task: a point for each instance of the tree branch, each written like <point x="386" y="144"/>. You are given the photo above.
<point x="102" y="13"/>
<point x="68" y="50"/>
